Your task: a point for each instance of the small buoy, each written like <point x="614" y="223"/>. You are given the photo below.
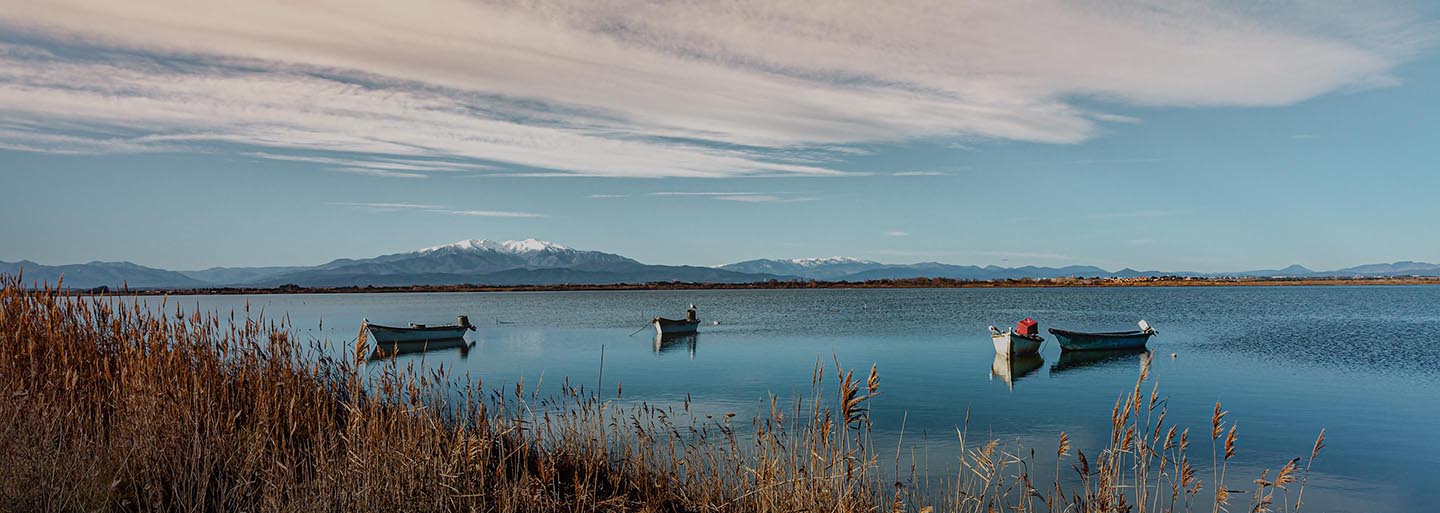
<point x="1172" y="355"/>
<point x="716" y="323"/>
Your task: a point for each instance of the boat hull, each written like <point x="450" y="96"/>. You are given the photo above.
<point x="675" y="327"/>
<point x="394" y="335"/>
<point x="1077" y="341"/>
<point x="1010" y="344"/>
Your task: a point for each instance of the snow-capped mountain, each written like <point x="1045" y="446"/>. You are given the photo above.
<point x="481" y="261"/>
<point x="508" y="246"/>
<point x="472" y="257"/>
<point x="809" y="268"/>
<point x="836" y="260"/>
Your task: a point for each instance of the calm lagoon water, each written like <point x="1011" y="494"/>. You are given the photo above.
<point x="1361" y="362"/>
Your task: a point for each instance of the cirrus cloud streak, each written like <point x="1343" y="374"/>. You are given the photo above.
<point x="622" y="88"/>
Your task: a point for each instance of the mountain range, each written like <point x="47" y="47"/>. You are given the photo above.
<point x="537" y="262"/>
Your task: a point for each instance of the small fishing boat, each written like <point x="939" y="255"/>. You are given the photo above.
<point x="1082" y="341"/>
<point x="690" y="324"/>
<point x="418" y="333"/>
<point x="1023" y="339"/>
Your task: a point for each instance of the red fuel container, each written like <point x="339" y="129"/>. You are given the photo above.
<point x="1027" y="326"/>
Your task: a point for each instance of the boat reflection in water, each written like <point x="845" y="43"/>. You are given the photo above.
<point x="669" y="342"/>
<point x="384" y="350"/>
<point x="1073" y="360"/>
<point x="1015" y="367"/>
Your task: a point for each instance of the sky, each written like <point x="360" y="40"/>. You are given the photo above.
<point x="1196" y="136"/>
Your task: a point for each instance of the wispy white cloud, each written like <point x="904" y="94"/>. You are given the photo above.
<point x="434" y="209"/>
<point x="389" y="167"/>
<point x="919" y="173"/>
<point x="742" y="197"/>
<point x="385" y="206"/>
<point x="399" y="131"/>
<point x="766" y="198"/>
<point x="488" y="213"/>
<point x="370" y="171"/>
<point x="751" y="198"/>
<point x="1114" y="118"/>
<point x="897" y="233"/>
<point x="607" y="196"/>
<point x="619" y="89"/>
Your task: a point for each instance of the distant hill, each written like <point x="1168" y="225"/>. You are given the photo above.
<point x="537" y="262"/>
<point x="971" y="272"/>
<point x="551" y="276"/>
<point x="527" y="262"/>
<point x="462" y="262"/>
<point x="854" y="269"/>
<point x="236" y="275"/>
<point x="1294" y="271"/>
<point x="809" y="268"/>
<point x="1404" y="268"/>
<point x="98" y="274"/>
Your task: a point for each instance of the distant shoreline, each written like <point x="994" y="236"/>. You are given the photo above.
<point x="912" y="283"/>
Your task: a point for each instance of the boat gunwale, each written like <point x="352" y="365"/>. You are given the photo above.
<point x="1105" y="334"/>
<point x="1033" y="338"/>
<point x="445" y="327"/>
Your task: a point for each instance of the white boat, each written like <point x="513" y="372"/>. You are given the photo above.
<point x="665" y="326"/>
<point x="418" y="333"/>
<point x="1008" y="343"/>
<point x="690" y="324"/>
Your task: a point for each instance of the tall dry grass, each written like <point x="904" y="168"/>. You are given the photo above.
<point x="110" y="407"/>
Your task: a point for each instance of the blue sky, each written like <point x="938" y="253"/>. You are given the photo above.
<point x="1186" y="136"/>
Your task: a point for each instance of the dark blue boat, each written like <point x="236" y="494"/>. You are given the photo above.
<point x="1083" y="341"/>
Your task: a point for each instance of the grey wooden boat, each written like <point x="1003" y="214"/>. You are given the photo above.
<point x="1084" y="341"/>
<point x="418" y="333"/>
<point x="690" y="324"/>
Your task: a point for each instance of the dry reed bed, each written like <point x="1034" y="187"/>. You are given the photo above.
<point x="113" y="407"/>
